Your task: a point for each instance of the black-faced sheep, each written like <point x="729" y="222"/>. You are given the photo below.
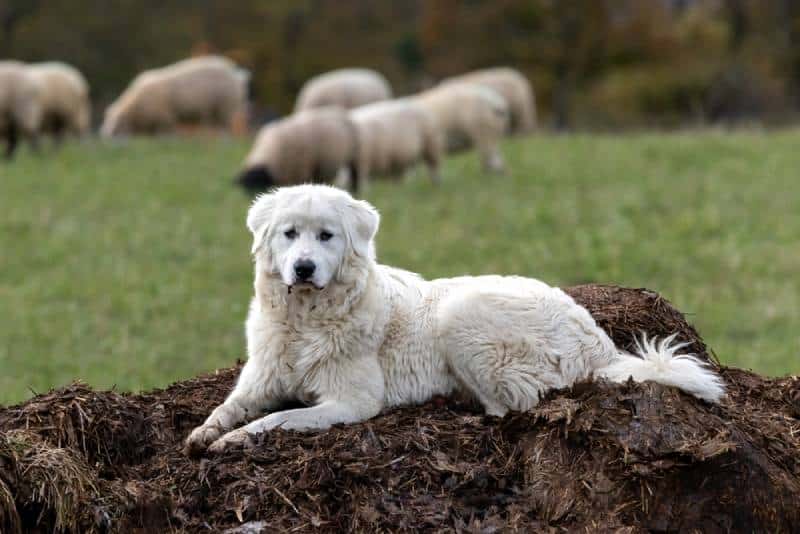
<point x="311" y="146"/>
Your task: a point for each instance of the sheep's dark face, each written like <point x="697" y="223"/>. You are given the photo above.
<point x="256" y="179"/>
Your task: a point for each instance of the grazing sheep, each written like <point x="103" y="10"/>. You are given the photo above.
<point x="206" y="90"/>
<point x="65" y="99"/>
<point x="511" y="85"/>
<point x="346" y="88"/>
<point x="20" y="106"/>
<point x="310" y="146"/>
<point x="469" y="115"/>
<point x="395" y="135"/>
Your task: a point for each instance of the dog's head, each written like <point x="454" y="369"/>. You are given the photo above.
<point x="310" y="235"/>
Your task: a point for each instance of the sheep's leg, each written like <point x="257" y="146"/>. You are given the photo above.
<point x="33" y="140"/>
<point x="12" y="140"/>
<point x="59" y="130"/>
<point x="355" y="179"/>
<point x="432" y="161"/>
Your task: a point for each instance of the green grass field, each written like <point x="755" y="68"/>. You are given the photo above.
<point x="129" y="265"/>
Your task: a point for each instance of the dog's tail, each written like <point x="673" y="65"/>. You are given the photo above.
<point x="657" y="361"/>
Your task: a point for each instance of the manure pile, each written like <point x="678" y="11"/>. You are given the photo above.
<point x="632" y="457"/>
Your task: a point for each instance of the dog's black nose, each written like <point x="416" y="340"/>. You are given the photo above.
<point x="304" y="269"/>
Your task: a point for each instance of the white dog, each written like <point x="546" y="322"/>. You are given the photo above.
<point x="330" y="327"/>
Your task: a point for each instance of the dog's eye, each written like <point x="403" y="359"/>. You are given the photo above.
<point x="290" y="234"/>
<point x="324" y="236"/>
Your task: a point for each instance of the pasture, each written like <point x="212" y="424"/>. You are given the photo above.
<point x="128" y="264"/>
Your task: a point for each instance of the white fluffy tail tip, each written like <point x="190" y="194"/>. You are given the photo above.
<point x="659" y="362"/>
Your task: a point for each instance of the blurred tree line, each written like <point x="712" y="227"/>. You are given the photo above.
<point x="593" y="63"/>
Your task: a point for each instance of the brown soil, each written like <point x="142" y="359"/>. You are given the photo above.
<point x="597" y="457"/>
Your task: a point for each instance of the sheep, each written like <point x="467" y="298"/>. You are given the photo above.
<point x="314" y="145"/>
<point x="511" y="85"/>
<point x="206" y="90"/>
<point x="20" y="106"/>
<point x="64" y="97"/>
<point x="346" y="88"/>
<point x="394" y="135"/>
<point x="469" y="115"/>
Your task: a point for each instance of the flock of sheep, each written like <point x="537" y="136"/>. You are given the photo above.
<point x="346" y="128"/>
<point x="53" y="98"/>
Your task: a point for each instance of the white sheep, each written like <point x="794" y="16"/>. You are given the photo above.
<point x="311" y="146"/>
<point x="469" y="115"/>
<point x="207" y="90"/>
<point x="64" y="95"/>
<point x="346" y="88"/>
<point x="511" y="85"/>
<point x="20" y="105"/>
<point x="395" y="135"/>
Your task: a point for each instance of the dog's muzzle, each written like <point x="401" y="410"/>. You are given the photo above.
<point x="304" y="270"/>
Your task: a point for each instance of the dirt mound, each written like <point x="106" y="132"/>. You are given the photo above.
<point x="634" y="457"/>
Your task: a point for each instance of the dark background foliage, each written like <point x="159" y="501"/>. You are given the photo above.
<point x="594" y="63"/>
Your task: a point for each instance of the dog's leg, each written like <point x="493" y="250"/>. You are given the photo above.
<point x="319" y="417"/>
<point x="351" y="392"/>
<point x="255" y="392"/>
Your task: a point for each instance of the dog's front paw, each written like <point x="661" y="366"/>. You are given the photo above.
<point x="200" y="438"/>
<point x="232" y="439"/>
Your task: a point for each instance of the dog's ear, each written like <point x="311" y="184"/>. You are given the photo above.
<point x="259" y="218"/>
<point x="362" y="220"/>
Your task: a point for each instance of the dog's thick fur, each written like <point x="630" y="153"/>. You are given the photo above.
<point x="357" y="336"/>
